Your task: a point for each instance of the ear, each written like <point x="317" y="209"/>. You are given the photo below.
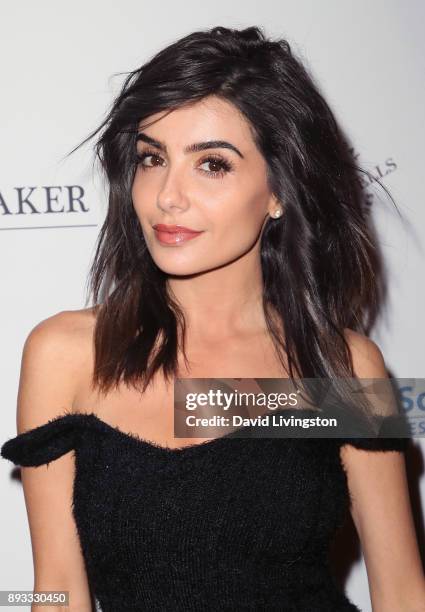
<point x="274" y="207"/>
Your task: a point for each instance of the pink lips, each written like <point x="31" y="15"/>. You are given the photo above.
<point x="174" y="234"/>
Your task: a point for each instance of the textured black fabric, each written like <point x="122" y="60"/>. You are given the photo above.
<point x="228" y="524"/>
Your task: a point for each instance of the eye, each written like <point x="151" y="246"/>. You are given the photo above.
<point x="219" y="165"/>
<point x="155" y="158"/>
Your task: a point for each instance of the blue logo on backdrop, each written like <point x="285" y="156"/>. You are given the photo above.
<point x="412" y="400"/>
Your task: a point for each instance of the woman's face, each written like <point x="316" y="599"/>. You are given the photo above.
<point x="218" y="189"/>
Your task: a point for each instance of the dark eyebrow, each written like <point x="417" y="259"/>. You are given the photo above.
<point x="193" y="148"/>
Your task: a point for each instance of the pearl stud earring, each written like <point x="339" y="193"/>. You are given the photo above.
<point x="277" y="213"/>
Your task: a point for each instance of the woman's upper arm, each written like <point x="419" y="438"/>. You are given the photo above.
<point x="381" y="509"/>
<point x="382" y="515"/>
<point x="49" y="369"/>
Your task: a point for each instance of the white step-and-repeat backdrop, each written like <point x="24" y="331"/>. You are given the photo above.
<point x="58" y="61"/>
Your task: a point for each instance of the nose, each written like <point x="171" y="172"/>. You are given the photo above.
<point x="172" y="193"/>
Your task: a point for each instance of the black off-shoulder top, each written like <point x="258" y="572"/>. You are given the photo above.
<point x="233" y="523"/>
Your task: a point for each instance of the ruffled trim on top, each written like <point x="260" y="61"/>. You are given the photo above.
<point x="44" y="443"/>
<point x="378" y="444"/>
<point x="394" y="435"/>
<point x="60" y="435"/>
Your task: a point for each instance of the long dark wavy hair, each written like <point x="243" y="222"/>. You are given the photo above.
<point x="320" y="263"/>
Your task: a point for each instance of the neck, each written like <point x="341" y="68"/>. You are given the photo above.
<point x="224" y="302"/>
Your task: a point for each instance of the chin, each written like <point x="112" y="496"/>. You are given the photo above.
<point x="173" y="268"/>
<point x="187" y="266"/>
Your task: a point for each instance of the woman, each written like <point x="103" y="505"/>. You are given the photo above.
<point x="235" y="245"/>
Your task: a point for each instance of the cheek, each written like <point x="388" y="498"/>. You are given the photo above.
<point x="139" y="194"/>
<point x="241" y="216"/>
<point x="145" y="189"/>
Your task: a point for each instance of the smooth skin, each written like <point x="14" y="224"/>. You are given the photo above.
<point x="217" y="279"/>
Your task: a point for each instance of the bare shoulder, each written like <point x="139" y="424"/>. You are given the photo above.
<point x="60" y="341"/>
<point x="62" y="331"/>
<point x="368" y="360"/>
<point x="53" y="357"/>
<point x="64" y="322"/>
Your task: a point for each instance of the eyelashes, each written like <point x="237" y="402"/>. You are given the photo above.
<point x="224" y="166"/>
